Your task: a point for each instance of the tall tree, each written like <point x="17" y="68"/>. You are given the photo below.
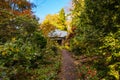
<point x="17" y="6"/>
<point x="15" y="16"/>
<point x="98" y="26"/>
<point x="55" y="20"/>
<point x="62" y="15"/>
<point x="62" y="18"/>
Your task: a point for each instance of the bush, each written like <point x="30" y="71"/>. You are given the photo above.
<point x="87" y="73"/>
<point x="17" y="58"/>
<point x="111" y="53"/>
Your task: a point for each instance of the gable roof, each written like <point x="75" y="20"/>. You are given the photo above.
<point x="58" y="33"/>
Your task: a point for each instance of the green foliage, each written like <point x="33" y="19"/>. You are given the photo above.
<point x="24" y="59"/>
<point x="39" y="40"/>
<point x="16" y="59"/>
<point x="16" y="26"/>
<point x="62" y="18"/>
<point x="26" y="24"/>
<point x="62" y="15"/>
<point x="111" y="52"/>
<point x="97" y="33"/>
<point x="25" y="54"/>
<point x="15" y="18"/>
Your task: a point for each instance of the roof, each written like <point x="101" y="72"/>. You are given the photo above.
<point x="58" y="33"/>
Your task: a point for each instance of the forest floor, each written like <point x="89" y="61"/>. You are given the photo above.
<point x="68" y="67"/>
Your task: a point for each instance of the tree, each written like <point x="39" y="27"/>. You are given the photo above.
<point x="62" y="18"/>
<point x="62" y="15"/>
<point x="46" y="28"/>
<point x="97" y="24"/>
<point x="55" y="21"/>
<point x="14" y="18"/>
<point x="18" y="7"/>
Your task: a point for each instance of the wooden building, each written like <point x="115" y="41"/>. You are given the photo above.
<point x="58" y="35"/>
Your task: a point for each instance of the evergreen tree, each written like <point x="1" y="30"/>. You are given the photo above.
<point x="62" y="15"/>
<point x="97" y="33"/>
<point x="62" y="18"/>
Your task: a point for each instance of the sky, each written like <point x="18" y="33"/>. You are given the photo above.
<point x="45" y="7"/>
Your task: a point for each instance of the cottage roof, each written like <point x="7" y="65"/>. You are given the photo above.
<point x="58" y="33"/>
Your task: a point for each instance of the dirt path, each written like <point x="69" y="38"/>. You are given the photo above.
<point x="68" y="69"/>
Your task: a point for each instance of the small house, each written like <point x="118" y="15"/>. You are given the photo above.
<point x="58" y="35"/>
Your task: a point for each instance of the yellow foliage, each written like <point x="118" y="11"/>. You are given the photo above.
<point x="17" y="50"/>
<point x="13" y="39"/>
<point x="1" y="47"/>
<point x="114" y="72"/>
<point x="55" y="21"/>
<point x="109" y="59"/>
<point x="11" y="49"/>
<point x="4" y="53"/>
<point x="47" y="27"/>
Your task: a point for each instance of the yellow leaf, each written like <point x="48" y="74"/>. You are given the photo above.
<point x="13" y="39"/>
<point x="3" y="53"/>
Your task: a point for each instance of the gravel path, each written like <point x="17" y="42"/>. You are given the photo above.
<point x="68" y="69"/>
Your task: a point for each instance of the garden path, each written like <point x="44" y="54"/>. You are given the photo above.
<point x="68" y="68"/>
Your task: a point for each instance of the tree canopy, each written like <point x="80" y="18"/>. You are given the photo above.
<point x="97" y="26"/>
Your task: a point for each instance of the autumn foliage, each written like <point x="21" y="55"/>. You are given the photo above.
<point x="24" y="50"/>
<point x="17" y="7"/>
